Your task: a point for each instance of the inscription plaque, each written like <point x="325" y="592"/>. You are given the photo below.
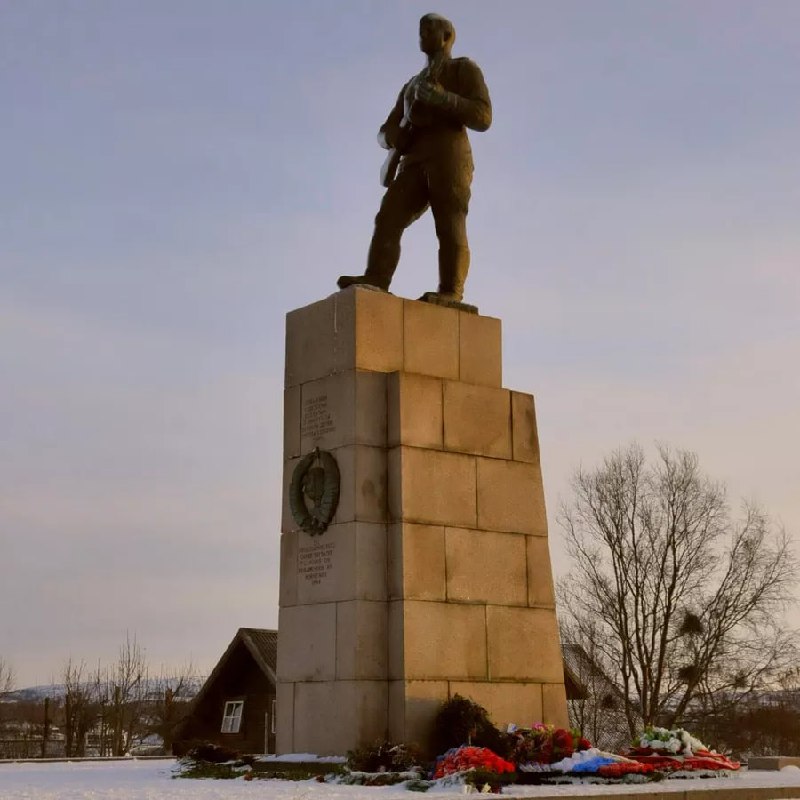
<point x="315" y="561"/>
<point x="317" y="419"/>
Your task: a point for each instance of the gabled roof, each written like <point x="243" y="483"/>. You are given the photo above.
<point x="584" y="669"/>
<point x="262" y="644"/>
<point x="573" y="686"/>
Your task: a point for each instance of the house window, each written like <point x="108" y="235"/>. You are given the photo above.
<point x="232" y="716"/>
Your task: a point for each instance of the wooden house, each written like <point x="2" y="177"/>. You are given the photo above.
<point x="235" y="707"/>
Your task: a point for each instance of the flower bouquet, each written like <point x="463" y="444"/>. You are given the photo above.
<point x="461" y="759"/>
<point x="546" y="754"/>
<point x="544" y="744"/>
<point x="476" y="766"/>
<point x="679" y="753"/>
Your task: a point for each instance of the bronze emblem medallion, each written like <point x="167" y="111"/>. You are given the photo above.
<point x="314" y="492"/>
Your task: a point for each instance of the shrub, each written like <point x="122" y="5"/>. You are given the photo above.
<point x="383" y="756"/>
<point x="462" y="721"/>
<point x="213" y="753"/>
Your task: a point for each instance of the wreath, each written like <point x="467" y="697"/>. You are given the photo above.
<point x="316" y="476"/>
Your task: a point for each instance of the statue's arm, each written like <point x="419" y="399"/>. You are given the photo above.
<point x="470" y="105"/>
<point x="389" y="132"/>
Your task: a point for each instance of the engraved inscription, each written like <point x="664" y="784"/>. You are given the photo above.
<point x="317" y="419"/>
<point x="315" y="561"/>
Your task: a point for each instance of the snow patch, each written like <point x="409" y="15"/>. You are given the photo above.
<point x="303" y="758"/>
<point x="152" y="780"/>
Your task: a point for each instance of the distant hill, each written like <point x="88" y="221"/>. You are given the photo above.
<point x="57" y="690"/>
<point x="33" y="693"/>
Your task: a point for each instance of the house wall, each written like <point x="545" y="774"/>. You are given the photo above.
<point x="239" y="679"/>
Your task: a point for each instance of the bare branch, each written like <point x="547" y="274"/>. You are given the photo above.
<point x="653" y="546"/>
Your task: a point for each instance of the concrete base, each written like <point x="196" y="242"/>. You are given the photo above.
<point x="773" y="762"/>
<point x="669" y="790"/>
<point x="434" y="576"/>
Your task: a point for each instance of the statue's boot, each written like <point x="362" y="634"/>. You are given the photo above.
<point x="453" y="269"/>
<point x="359" y="280"/>
<point x="381" y="263"/>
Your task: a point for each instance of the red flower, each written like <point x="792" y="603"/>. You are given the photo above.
<point x="621" y="768"/>
<point x="464" y="758"/>
<point x="562" y="742"/>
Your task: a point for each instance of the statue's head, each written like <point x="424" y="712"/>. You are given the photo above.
<point x="436" y="34"/>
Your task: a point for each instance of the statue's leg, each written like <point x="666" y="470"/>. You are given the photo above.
<point x="405" y="201"/>
<point x="450" y="193"/>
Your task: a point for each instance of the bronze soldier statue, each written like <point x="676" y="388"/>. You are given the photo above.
<point x="430" y="162"/>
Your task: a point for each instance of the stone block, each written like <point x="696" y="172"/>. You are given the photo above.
<point x="307" y="649"/>
<point x="334" y="717"/>
<point x="554" y="705"/>
<point x="772" y="762"/>
<point x="414" y="410"/>
<point x="291" y="422"/>
<point x="363" y="476"/>
<point x="352" y="329"/>
<point x="520" y="703"/>
<point x="315" y="718"/>
<point x="441" y="641"/>
<point x="343" y="409"/>
<point x="288" y="588"/>
<point x="370" y="408"/>
<point x="361" y="643"/>
<point x="287" y="521"/>
<point x="395" y="638"/>
<point x="284" y="725"/>
<point x="523" y="425"/>
<point x="510" y="497"/>
<point x="523" y="645"/>
<point x="370" y="329"/>
<point x="540" y="574"/>
<point x="486" y="567"/>
<point x="310" y="342"/>
<point x="371" y="562"/>
<point x="365" y="705"/>
<point x="412" y="708"/>
<point x="430" y="340"/>
<point x="431" y="488"/>
<point x="416" y="562"/>
<point x="477" y="419"/>
<point x="480" y="351"/>
<point x="348" y="562"/>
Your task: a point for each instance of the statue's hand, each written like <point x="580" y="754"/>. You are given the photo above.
<point x="430" y="93"/>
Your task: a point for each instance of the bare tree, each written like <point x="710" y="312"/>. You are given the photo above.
<point x="126" y="693"/>
<point x="171" y="694"/>
<point x="79" y="708"/>
<point x="685" y="598"/>
<point x="6" y="676"/>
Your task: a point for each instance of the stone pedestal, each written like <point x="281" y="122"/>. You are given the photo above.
<point x="434" y="575"/>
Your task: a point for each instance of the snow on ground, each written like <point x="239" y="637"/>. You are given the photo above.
<point x="152" y="780"/>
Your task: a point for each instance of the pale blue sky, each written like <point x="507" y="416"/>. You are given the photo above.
<point x="177" y="175"/>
